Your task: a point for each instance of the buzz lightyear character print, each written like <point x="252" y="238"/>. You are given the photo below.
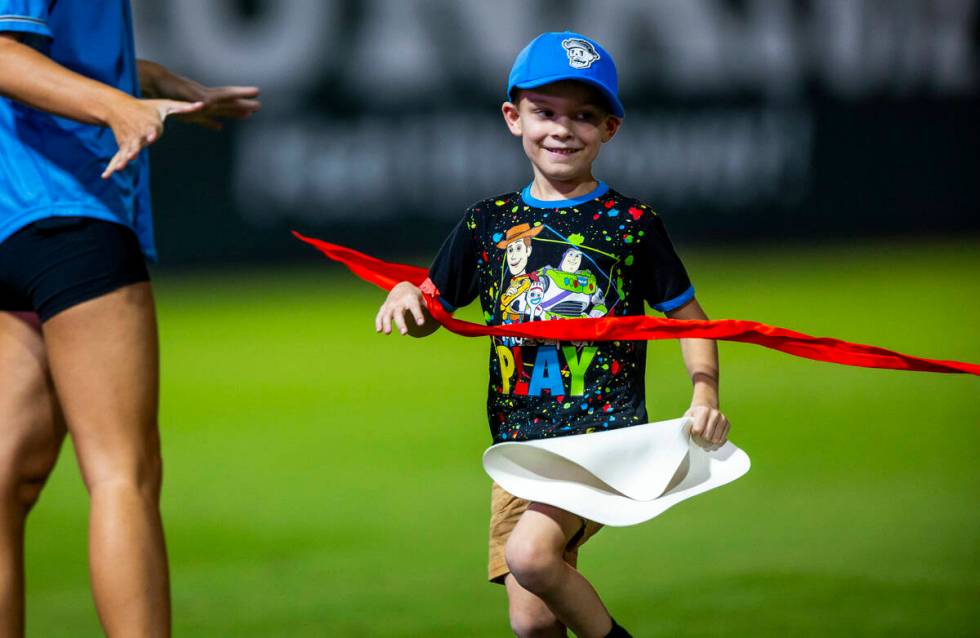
<point x="571" y="291"/>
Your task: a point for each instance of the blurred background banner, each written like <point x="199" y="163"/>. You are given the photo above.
<point x="746" y="120"/>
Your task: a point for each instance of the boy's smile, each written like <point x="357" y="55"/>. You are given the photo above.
<point x="562" y="126"/>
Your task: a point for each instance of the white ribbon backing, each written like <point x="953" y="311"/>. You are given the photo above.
<point x="615" y="477"/>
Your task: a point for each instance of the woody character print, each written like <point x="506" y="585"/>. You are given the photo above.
<point x="517" y="245"/>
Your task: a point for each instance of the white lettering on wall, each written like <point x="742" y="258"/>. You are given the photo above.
<point x="396" y="49"/>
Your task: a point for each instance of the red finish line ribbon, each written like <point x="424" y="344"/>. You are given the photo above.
<point x="639" y="327"/>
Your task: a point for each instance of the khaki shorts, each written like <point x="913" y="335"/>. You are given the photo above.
<point x="505" y="510"/>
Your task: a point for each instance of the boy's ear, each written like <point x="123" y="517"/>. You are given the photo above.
<point x="609" y="127"/>
<point x="512" y="116"/>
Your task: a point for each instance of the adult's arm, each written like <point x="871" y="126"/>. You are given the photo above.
<point x="220" y="102"/>
<point x="36" y="80"/>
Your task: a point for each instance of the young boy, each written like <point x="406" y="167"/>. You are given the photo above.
<point x="565" y="246"/>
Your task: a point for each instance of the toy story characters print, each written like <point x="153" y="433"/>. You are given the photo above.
<point x="573" y="289"/>
<point x="568" y="291"/>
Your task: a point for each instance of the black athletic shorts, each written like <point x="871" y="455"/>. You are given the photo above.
<point x="59" y="262"/>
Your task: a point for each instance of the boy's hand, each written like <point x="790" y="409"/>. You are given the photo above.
<point x="710" y="429"/>
<point x="404" y="298"/>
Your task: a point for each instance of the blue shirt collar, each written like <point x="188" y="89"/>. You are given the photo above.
<point x="599" y="191"/>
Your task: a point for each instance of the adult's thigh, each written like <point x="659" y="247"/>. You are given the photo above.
<point x="31" y="427"/>
<point x="105" y="365"/>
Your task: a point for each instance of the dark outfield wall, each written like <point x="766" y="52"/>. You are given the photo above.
<point x="758" y="118"/>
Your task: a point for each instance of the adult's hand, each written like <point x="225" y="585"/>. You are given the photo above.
<point x="138" y="123"/>
<point x="220" y="102"/>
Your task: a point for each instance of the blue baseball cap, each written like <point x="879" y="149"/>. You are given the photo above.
<point x="552" y="57"/>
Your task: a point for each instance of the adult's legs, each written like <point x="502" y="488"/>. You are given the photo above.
<point x="104" y="361"/>
<point x="535" y="557"/>
<point x="31" y="432"/>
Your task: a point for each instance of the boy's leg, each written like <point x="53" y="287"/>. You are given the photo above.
<point x="104" y="361"/>
<point x="31" y="432"/>
<point x="535" y="557"/>
<point x="530" y="617"/>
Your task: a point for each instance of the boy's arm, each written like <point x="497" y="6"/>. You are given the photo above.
<point x="36" y="80"/>
<point x="701" y="360"/>
<point x="405" y="298"/>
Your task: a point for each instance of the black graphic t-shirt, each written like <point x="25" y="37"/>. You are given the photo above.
<point x="531" y="260"/>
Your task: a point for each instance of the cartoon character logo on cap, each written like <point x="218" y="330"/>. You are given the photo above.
<point x="581" y="54"/>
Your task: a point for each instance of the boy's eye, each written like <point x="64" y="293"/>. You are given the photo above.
<point x="545" y="112"/>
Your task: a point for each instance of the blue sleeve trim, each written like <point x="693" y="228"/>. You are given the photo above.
<point x="676" y="302"/>
<point x="25" y="24"/>
<point x="448" y="306"/>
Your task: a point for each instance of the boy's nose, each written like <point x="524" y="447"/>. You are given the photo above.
<point x="561" y="132"/>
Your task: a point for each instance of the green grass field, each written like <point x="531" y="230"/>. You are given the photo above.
<point x="325" y="481"/>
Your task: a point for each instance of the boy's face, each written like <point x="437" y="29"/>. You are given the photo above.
<point x="562" y="126"/>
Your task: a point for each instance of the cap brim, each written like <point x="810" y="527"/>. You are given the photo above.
<point x="615" y="106"/>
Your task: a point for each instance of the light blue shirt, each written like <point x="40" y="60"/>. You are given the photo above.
<point x="51" y="166"/>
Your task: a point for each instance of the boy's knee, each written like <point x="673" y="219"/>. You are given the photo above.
<point x="535" y="623"/>
<point x="536" y="565"/>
